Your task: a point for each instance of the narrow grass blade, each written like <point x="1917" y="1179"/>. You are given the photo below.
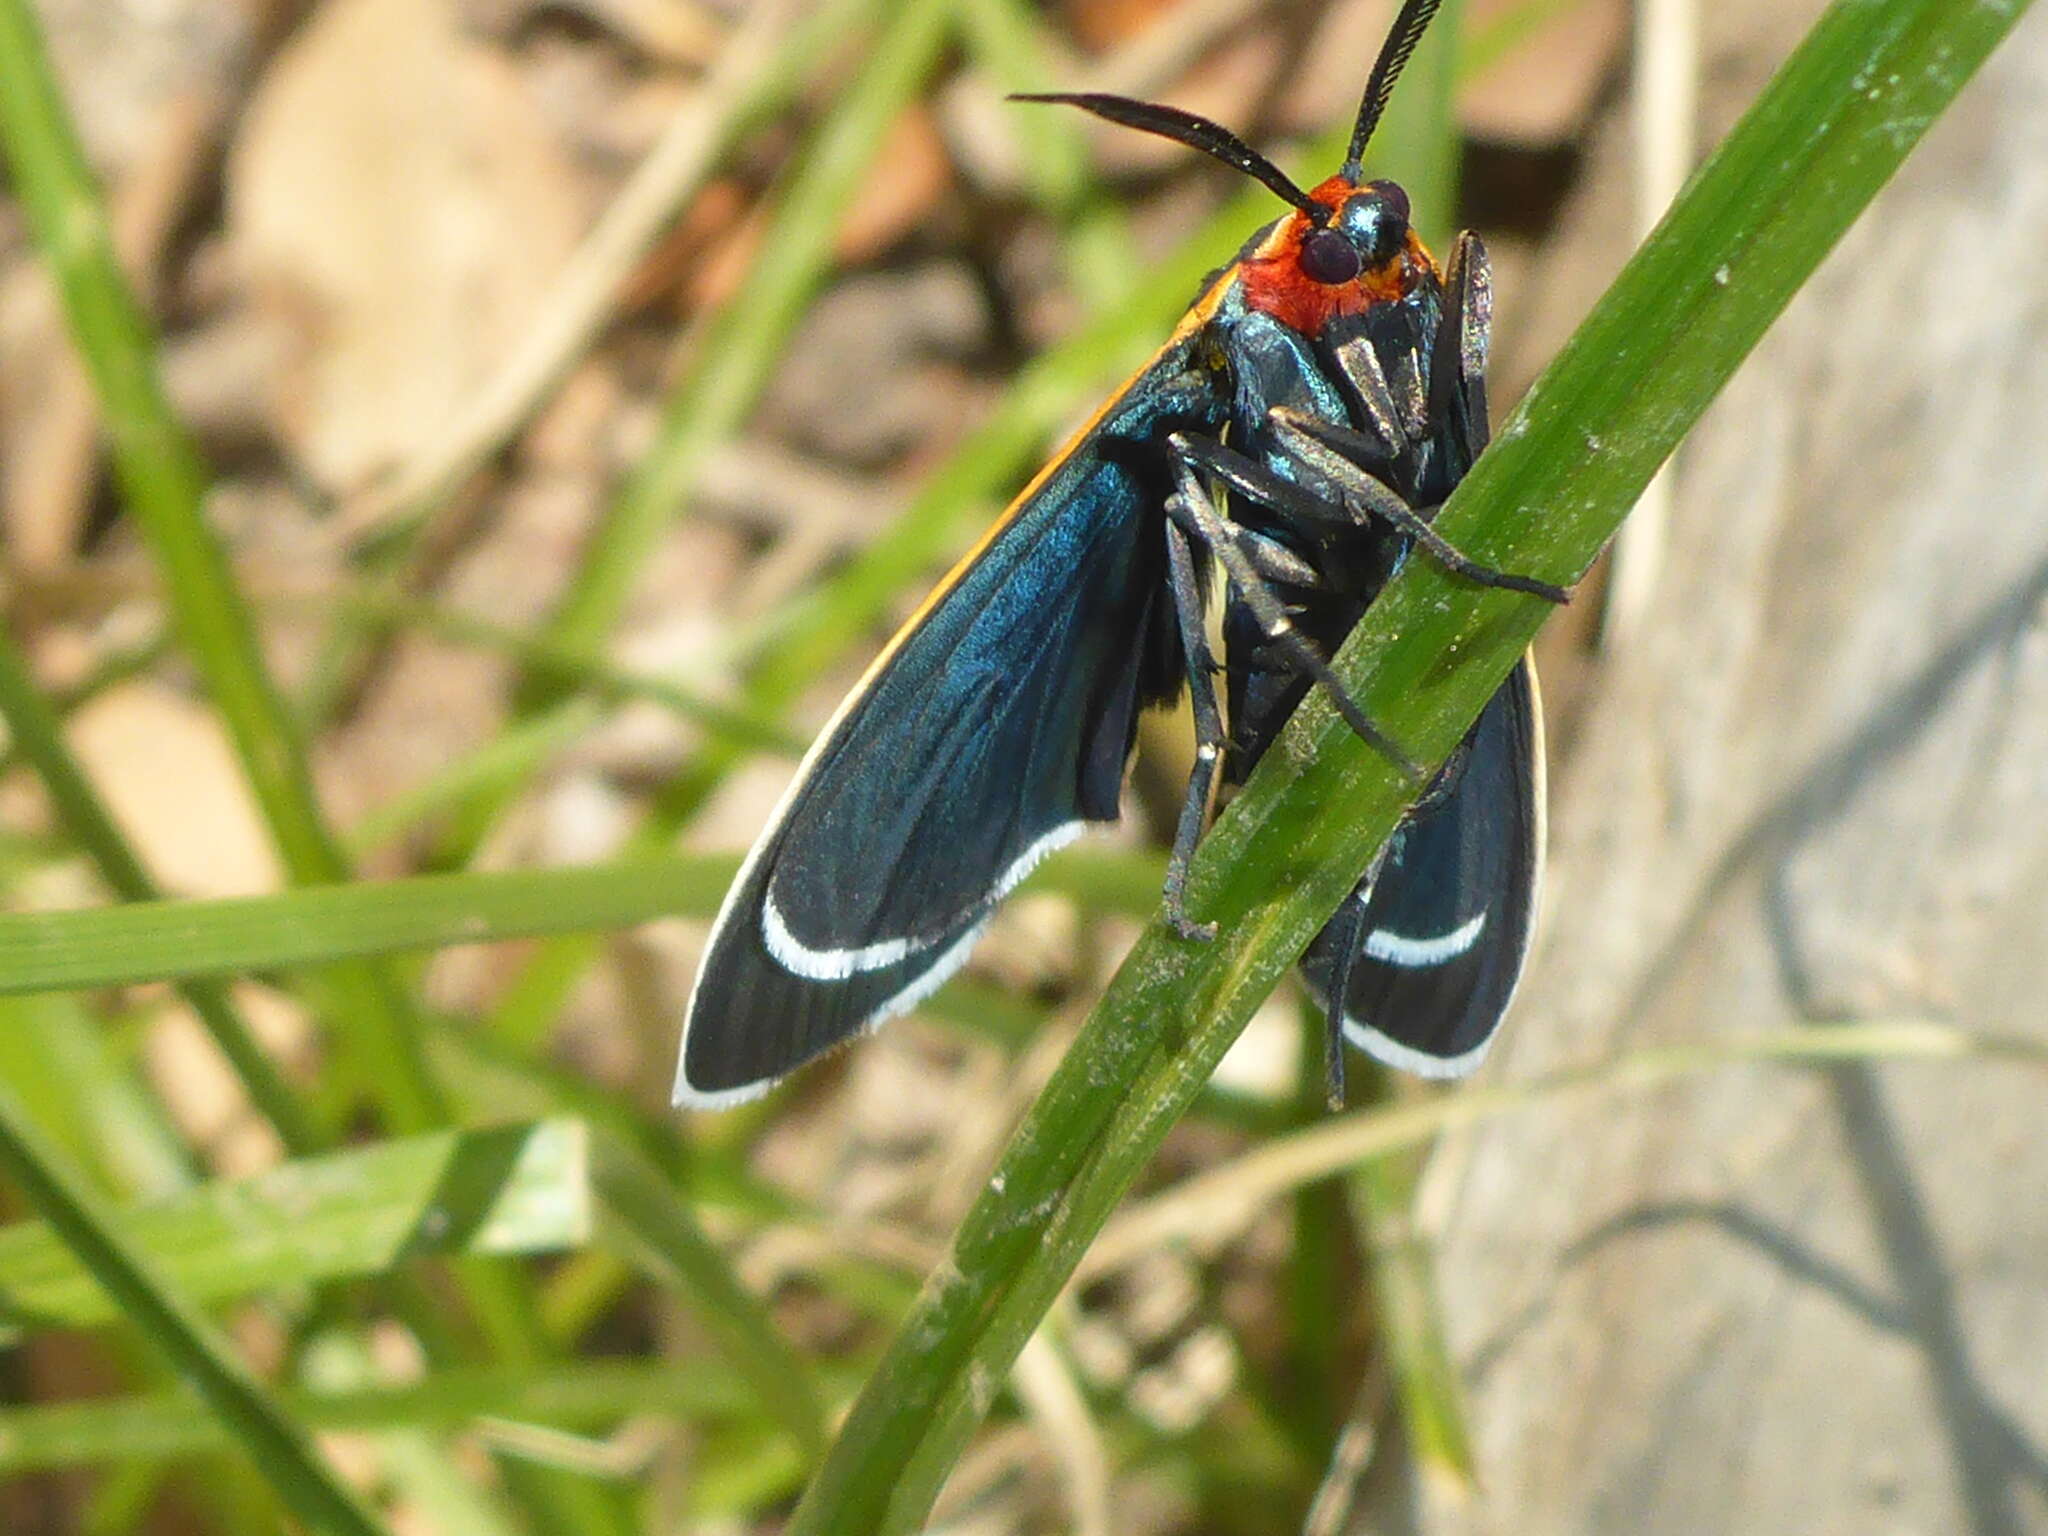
<point x="146" y="941"/>
<point x="1410" y="1323"/>
<point x="164" y="487"/>
<point x="434" y="1488"/>
<point x="169" y="940"/>
<point x="1833" y="124"/>
<point x="589" y="671"/>
<point x="56" y="1055"/>
<point x="39" y="735"/>
<point x="584" y="1393"/>
<point x="663" y="1235"/>
<point x="485" y="777"/>
<point x="111" y="669"/>
<point x="512" y="1189"/>
<point x="278" y="1444"/>
<point x="740" y="349"/>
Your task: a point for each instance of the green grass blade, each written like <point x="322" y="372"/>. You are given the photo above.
<point x="486" y="777"/>
<point x="1410" y="1323"/>
<point x="589" y="671"/>
<point x="511" y="1189"/>
<point x="39" y="735"/>
<point x="164" y="486"/>
<point x="584" y="1393"/>
<point x="161" y="475"/>
<point x="413" y="1463"/>
<point x="173" y="940"/>
<point x="660" y="1231"/>
<point x="1802" y="163"/>
<point x="279" y="1446"/>
<point x="55" y="1053"/>
<point x="115" y="946"/>
<point x="111" y="669"/>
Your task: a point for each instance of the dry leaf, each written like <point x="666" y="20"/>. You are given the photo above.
<point x="170" y="778"/>
<point x="400" y="211"/>
<point x="910" y="176"/>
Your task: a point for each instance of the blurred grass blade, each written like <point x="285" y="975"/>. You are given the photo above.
<point x="588" y="671"/>
<point x="57" y="1056"/>
<point x="111" y="668"/>
<point x="418" y="1475"/>
<point x="279" y="1446"/>
<point x="1007" y="41"/>
<point x="512" y="1189"/>
<point x="38" y="734"/>
<point x="161" y="475"/>
<point x="1803" y="162"/>
<point x="660" y="1231"/>
<point x="164" y="487"/>
<point x="1409" y="1324"/>
<point x="150" y="941"/>
<point x="584" y="1393"/>
<point x="169" y="940"/>
<point x="508" y="761"/>
<point x="740" y="349"/>
<point x="760" y="66"/>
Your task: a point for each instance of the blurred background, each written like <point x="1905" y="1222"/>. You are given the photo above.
<point x="590" y="384"/>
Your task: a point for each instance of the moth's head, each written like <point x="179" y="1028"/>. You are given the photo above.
<point x="1348" y="248"/>
<point x="1347" y="231"/>
<point x="1363" y="231"/>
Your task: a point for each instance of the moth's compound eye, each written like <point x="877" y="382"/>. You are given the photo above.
<point x="1329" y="257"/>
<point x="1375" y="221"/>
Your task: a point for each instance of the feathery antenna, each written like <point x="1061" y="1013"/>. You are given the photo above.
<point x="1195" y="132"/>
<point x="1399" y="47"/>
<point x="1214" y="139"/>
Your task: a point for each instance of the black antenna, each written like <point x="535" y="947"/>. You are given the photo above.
<point x="1197" y="133"/>
<point x="1399" y="47"/>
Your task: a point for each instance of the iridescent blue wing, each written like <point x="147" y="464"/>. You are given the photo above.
<point x="1437" y="937"/>
<point x="996" y="725"/>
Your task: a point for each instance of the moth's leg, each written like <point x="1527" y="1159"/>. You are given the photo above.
<point x="1347" y="929"/>
<point x="1273" y="560"/>
<point x="1201" y="668"/>
<point x="1193" y="512"/>
<point x="1379" y="412"/>
<point x="1333" y="453"/>
<point x="1350" y="934"/>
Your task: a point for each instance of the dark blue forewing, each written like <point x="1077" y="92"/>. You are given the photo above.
<point x="996" y="725"/>
<point x="1438" y="935"/>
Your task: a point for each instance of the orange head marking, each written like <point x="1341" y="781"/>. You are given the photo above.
<point x="1361" y="252"/>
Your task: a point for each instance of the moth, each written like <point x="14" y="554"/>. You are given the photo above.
<point x="1298" y="432"/>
